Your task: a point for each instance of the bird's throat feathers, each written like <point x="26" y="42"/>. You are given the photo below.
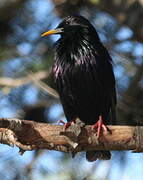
<point x="74" y="50"/>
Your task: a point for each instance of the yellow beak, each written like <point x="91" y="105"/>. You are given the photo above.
<point x="54" y="31"/>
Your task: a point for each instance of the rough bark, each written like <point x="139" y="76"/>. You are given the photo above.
<point x="30" y="135"/>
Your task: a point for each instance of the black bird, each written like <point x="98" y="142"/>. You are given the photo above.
<point x="83" y="76"/>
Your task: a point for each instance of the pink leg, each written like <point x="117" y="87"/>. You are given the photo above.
<point x="60" y="121"/>
<point x="68" y="124"/>
<point x="99" y="125"/>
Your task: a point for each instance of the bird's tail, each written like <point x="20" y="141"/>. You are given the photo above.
<point x="101" y="155"/>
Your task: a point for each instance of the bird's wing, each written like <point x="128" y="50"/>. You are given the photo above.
<point x="109" y="81"/>
<point x="101" y="63"/>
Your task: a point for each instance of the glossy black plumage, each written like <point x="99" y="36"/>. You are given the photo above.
<point x="83" y="74"/>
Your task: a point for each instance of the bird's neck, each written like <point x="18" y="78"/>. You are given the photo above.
<point x="71" y="50"/>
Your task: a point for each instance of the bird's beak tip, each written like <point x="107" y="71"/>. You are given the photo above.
<point x="43" y="34"/>
<point x="48" y="33"/>
<point x="54" y="31"/>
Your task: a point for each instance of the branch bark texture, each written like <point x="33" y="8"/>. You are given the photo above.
<point x="29" y="135"/>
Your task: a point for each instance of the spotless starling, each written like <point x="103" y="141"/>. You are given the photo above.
<point x="83" y="77"/>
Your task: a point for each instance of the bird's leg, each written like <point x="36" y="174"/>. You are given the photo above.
<point x="68" y="124"/>
<point x="99" y="126"/>
<point x="60" y="121"/>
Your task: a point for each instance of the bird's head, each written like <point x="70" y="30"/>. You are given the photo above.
<point x="72" y="26"/>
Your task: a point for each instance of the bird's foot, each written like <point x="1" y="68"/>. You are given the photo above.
<point x="68" y="124"/>
<point x="99" y="126"/>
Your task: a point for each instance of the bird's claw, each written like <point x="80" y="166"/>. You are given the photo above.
<point x="66" y="125"/>
<point x="99" y="126"/>
<point x="60" y="121"/>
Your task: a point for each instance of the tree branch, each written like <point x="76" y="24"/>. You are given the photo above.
<point x="15" y="82"/>
<point x="30" y="135"/>
<point x="30" y="78"/>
